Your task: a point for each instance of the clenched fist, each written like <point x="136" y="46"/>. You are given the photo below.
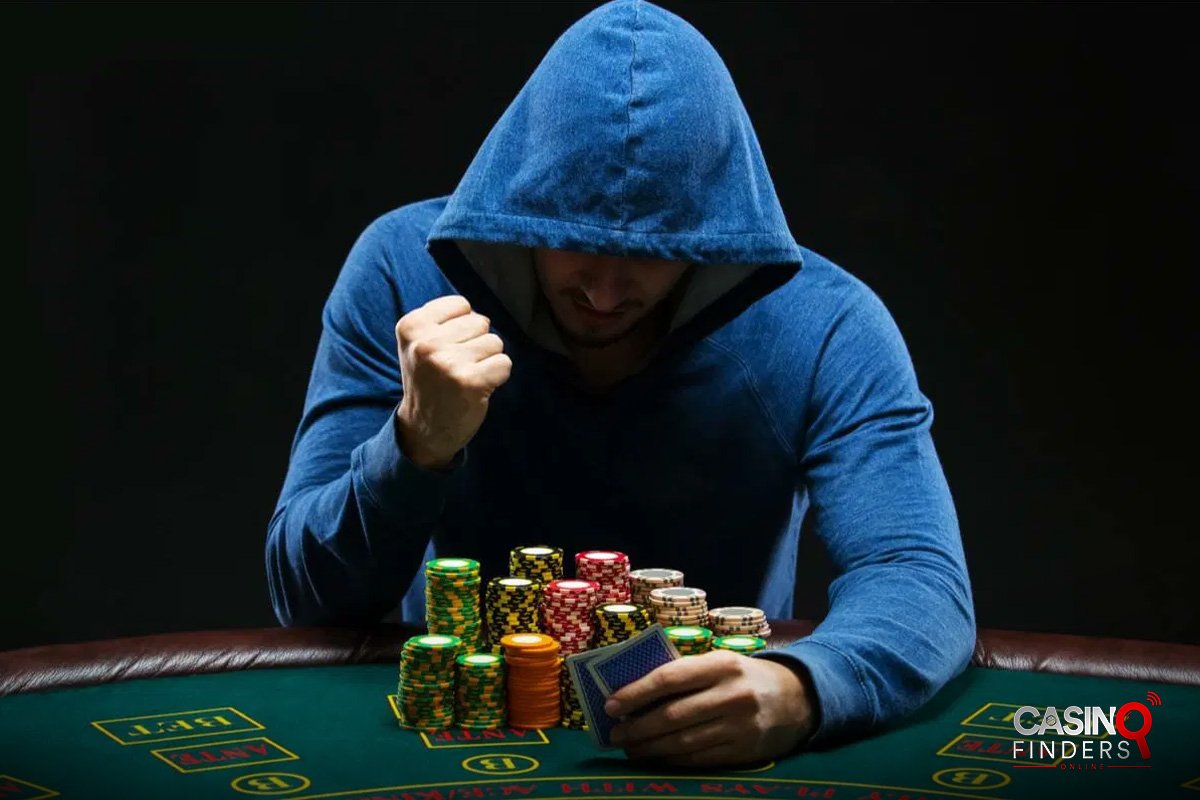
<point x="449" y="365"/>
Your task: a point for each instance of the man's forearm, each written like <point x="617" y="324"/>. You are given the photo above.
<point x="895" y="634"/>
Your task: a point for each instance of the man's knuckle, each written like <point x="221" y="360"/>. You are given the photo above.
<point x="424" y="350"/>
<point x="744" y="698"/>
<point x="730" y="663"/>
<point x="462" y="374"/>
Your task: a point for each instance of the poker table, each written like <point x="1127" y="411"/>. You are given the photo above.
<point x="308" y="713"/>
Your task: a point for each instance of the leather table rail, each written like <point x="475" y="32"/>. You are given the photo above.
<point x="88" y="663"/>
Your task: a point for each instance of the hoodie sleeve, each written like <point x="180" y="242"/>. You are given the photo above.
<point x="901" y="621"/>
<point x="354" y="515"/>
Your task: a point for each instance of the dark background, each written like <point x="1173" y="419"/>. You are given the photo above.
<point x="1018" y="182"/>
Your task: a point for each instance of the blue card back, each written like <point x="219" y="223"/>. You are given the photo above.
<point x="642" y="656"/>
<point x="592" y="697"/>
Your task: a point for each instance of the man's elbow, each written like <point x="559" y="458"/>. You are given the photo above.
<point x="965" y="638"/>
<point x="958" y="639"/>
<point x="966" y="641"/>
<point x="287" y="608"/>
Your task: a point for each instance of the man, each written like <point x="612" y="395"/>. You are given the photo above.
<point x="607" y="337"/>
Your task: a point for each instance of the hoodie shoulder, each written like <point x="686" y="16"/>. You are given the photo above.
<point x="817" y="294"/>
<point x="408" y="224"/>
<point x="823" y="325"/>
<point x="388" y="266"/>
<point x="399" y="237"/>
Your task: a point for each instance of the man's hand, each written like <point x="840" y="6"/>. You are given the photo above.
<point x="449" y="365"/>
<point x="723" y="709"/>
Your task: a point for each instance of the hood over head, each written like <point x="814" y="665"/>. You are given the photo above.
<point x="629" y="139"/>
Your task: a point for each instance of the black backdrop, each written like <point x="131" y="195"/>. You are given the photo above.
<point x="1017" y="182"/>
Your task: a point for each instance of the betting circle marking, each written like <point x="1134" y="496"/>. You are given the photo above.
<point x="500" y="764"/>
<point x="971" y="778"/>
<point x="264" y="783"/>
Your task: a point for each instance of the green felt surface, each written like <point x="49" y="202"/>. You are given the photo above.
<point x="335" y="735"/>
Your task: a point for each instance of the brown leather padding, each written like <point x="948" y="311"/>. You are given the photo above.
<point x="59" y="666"/>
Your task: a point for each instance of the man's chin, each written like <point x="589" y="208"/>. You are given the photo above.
<point x="582" y="336"/>
<point x="595" y="339"/>
<point x="592" y="341"/>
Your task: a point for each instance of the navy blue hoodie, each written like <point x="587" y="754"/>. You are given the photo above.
<point x="782" y="387"/>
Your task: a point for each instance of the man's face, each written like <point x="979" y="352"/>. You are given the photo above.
<point x="599" y="299"/>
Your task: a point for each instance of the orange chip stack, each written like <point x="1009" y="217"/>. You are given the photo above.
<point x="533" y="679"/>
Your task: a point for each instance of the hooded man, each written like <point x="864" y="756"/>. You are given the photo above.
<point x="607" y="337"/>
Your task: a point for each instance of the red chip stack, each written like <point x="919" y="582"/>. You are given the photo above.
<point x="567" y="612"/>
<point x="608" y="568"/>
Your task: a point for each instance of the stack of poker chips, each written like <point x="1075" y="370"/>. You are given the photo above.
<point x="534" y="673"/>
<point x="608" y="568"/>
<point x="480" y="691"/>
<point x="452" y="599"/>
<point x="571" y="707"/>
<point x="644" y="581"/>
<point x="739" y="644"/>
<point x="567" y="613"/>
<point x="739" y="621"/>
<point x="690" y="640"/>
<point x="539" y="563"/>
<point x="616" y="622"/>
<point x="511" y="606"/>
<point x="425" y="694"/>
<point x="680" y="605"/>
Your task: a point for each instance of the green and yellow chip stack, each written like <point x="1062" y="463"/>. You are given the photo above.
<point x="739" y="644"/>
<point x="511" y="606"/>
<point x="452" y="599"/>
<point x="426" y="693"/>
<point x="480" y="701"/>
<point x="690" y="640"/>
<point x="539" y="563"/>
<point x="572" y="708"/>
<point x="616" y="622"/>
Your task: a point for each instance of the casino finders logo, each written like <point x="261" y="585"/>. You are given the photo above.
<point x="1084" y="737"/>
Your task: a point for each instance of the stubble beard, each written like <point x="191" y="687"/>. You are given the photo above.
<point x="600" y="342"/>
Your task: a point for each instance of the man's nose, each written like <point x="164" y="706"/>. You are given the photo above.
<point x="606" y="285"/>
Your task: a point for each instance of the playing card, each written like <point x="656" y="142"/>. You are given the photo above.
<point x="591" y="698"/>
<point x="631" y="659"/>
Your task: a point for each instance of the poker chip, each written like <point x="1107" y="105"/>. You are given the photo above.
<point x="739" y="621"/>
<point x="426" y="689"/>
<point x="678" y="606"/>
<point x="608" y="568"/>
<point x="539" y="563"/>
<point x="480" y="692"/>
<point x="511" y="605"/>
<point x="452" y="599"/>
<point x="571" y="706"/>
<point x="533" y="681"/>
<point x="739" y="644"/>
<point x="616" y="622"/>
<point x="690" y="640"/>
<point x="643" y="581"/>
<point x="567" y="613"/>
